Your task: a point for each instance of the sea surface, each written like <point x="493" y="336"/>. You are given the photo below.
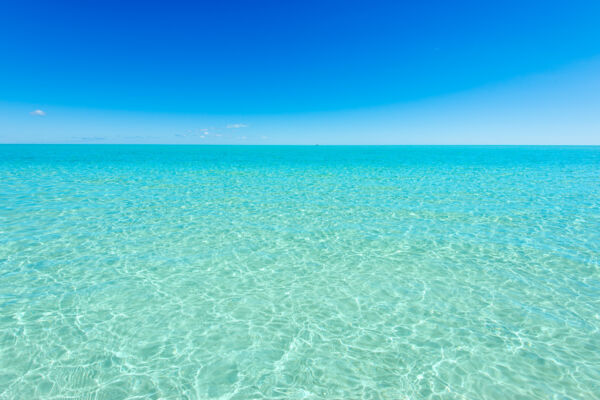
<point x="301" y="272"/>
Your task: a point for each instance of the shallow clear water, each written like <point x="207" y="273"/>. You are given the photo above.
<point x="299" y="272"/>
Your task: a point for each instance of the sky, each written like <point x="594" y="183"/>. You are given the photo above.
<point x="300" y="72"/>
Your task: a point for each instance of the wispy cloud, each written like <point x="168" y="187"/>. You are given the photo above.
<point x="236" y="126"/>
<point x="90" y="139"/>
<point x="201" y="133"/>
<point x="38" y="113"/>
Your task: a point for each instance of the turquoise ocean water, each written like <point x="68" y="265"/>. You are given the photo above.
<point x="225" y="272"/>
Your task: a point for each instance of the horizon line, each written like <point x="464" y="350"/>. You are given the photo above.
<point x="299" y="145"/>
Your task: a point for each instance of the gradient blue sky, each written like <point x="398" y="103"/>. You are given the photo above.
<point x="305" y="72"/>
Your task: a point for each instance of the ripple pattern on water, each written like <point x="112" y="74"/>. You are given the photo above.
<point x="230" y="272"/>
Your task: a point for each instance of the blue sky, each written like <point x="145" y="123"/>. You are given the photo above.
<point x="283" y="72"/>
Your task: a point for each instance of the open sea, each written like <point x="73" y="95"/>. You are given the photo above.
<point x="299" y="272"/>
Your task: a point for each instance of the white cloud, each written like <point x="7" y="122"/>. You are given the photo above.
<point x="38" y="113"/>
<point x="236" y="126"/>
<point x="264" y="137"/>
<point x="200" y="132"/>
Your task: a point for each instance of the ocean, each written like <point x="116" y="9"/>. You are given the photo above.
<point x="299" y="272"/>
